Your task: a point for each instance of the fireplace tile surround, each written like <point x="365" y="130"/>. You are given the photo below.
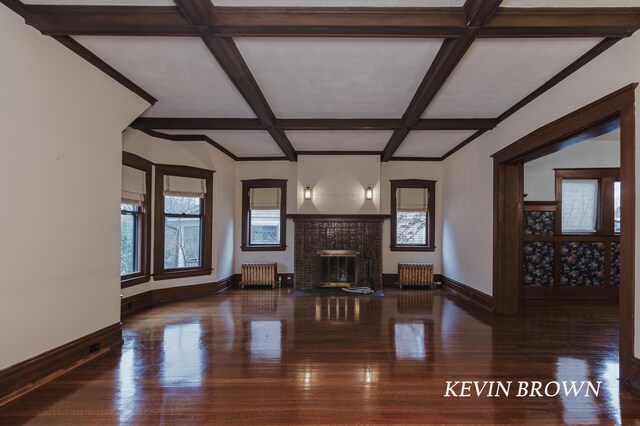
<point x="314" y="233"/>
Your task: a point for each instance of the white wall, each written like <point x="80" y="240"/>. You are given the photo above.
<point x="202" y="155"/>
<point x="540" y="176"/>
<point x="60" y="187"/>
<point x="468" y="183"/>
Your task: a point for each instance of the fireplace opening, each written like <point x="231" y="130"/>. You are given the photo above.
<point x="338" y="268"/>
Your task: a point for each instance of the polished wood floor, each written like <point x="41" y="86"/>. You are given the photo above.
<point x="266" y="357"/>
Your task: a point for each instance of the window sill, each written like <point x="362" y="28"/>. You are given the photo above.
<point x="181" y="274"/>
<point x="263" y="248"/>
<point x="131" y="280"/>
<point x="412" y="248"/>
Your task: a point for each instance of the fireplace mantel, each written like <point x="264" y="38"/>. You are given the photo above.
<point x="339" y="217"/>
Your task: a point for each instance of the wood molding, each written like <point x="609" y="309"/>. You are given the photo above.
<point x="247" y="186"/>
<point x="190" y="138"/>
<point x="147" y="299"/>
<point x="571" y="292"/>
<point x="21" y="378"/>
<point x="477" y="297"/>
<point x="632" y="378"/>
<point x="339" y="217"/>
<point x="430" y="225"/>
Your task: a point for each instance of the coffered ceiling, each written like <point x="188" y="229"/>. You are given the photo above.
<point x="405" y="79"/>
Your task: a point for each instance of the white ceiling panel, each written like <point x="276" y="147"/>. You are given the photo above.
<point x="338" y="77"/>
<point x="495" y="74"/>
<point x="431" y="143"/>
<point x="342" y="3"/>
<point x="179" y="71"/>
<point x="104" y="2"/>
<point x="242" y="143"/>
<point x="339" y="140"/>
<point x="570" y="3"/>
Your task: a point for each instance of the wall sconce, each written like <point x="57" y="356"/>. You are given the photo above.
<point x="368" y="193"/>
<point x="307" y="193"/>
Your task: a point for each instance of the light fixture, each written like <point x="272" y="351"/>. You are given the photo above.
<point x="368" y="193"/>
<point x="307" y="193"/>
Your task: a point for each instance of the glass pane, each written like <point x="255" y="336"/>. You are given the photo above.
<point x="128" y="255"/>
<point x="182" y="205"/>
<point x="579" y="205"/>
<point x="181" y="242"/>
<point x="265" y="227"/>
<point x="616" y="207"/>
<point x="128" y="208"/>
<point x="411" y="228"/>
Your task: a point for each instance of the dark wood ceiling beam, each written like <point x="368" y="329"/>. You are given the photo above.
<point x="455" y="124"/>
<point x="197" y="123"/>
<point x="109" y="20"/>
<point x="480" y="11"/>
<point x="338" y="124"/>
<point x="562" y="22"/>
<point x="190" y="138"/>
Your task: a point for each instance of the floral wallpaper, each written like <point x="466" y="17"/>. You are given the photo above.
<point x="539" y="223"/>
<point x="582" y="264"/>
<point x="615" y="264"/>
<point x="538" y="263"/>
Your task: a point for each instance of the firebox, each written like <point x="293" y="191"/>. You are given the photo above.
<point x="338" y="268"/>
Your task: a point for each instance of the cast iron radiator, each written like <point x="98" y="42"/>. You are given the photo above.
<point x="415" y="274"/>
<point x="259" y="273"/>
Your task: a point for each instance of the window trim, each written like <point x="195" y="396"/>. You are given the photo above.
<point x="144" y="225"/>
<point x="605" y="176"/>
<point x="159" y="271"/>
<point x="431" y="214"/>
<point x="247" y="185"/>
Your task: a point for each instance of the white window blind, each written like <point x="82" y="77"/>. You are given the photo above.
<point x="134" y="186"/>
<point x="264" y="198"/>
<point x="579" y="205"/>
<point x="178" y="186"/>
<point x="412" y="199"/>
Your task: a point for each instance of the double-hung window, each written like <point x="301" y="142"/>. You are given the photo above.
<point x="264" y="214"/>
<point x="183" y="222"/>
<point x="135" y="223"/>
<point x="412" y="215"/>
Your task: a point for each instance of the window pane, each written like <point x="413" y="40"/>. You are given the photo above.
<point x="128" y="255"/>
<point x="265" y="227"/>
<point x="579" y="205"/>
<point x="616" y="207"/>
<point x="128" y="208"/>
<point x="411" y="228"/>
<point x="181" y="242"/>
<point x="182" y="205"/>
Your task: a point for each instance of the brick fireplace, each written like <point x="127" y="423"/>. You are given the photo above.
<point x="316" y="234"/>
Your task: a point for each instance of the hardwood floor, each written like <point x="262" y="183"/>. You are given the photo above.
<point x="266" y="357"/>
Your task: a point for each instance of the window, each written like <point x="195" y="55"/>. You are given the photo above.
<point x="413" y="215"/>
<point x="135" y="223"/>
<point x="588" y="201"/>
<point x="264" y="214"/>
<point x="183" y="222"/>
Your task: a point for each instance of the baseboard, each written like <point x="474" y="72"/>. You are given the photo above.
<point x="151" y="298"/>
<point x="477" y="297"/>
<point x="24" y="377"/>
<point x="560" y="292"/>
<point x="632" y="381"/>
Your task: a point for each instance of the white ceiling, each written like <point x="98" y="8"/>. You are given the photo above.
<point x="339" y="140"/>
<point x="431" y="143"/>
<point x="570" y="3"/>
<point x="179" y="71"/>
<point x="338" y="77"/>
<point x="342" y="3"/>
<point x="242" y="143"/>
<point x="105" y="2"/>
<point x="495" y="74"/>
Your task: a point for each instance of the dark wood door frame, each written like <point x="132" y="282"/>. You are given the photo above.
<point x="508" y="205"/>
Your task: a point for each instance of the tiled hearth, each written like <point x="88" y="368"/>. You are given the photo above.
<point x="314" y="233"/>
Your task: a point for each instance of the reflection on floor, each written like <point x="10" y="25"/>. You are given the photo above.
<point x="263" y="356"/>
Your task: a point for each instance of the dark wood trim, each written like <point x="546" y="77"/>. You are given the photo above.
<point x="247" y="185"/>
<point x="138" y="302"/>
<point x="94" y="60"/>
<point x="571" y="292"/>
<point x="339" y="153"/>
<point x="479" y="12"/>
<point x="562" y="22"/>
<point x="539" y="206"/>
<point x="151" y="123"/>
<point x="159" y="272"/>
<point x="137" y="162"/>
<point x="430" y="186"/>
<point x="632" y="378"/>
<point x="455" y="124"/>
<point x="24" y="377"/>
<point x="508" y="202"/>
<point x="427" y="159"/>
<point x="339" y="217"/>
<point x="189" y="138"/>
<point x="262" y="159"/>
<point x="574" y="237"/>
<point x="338" y="123"/>
<point x="477" y="297"/>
